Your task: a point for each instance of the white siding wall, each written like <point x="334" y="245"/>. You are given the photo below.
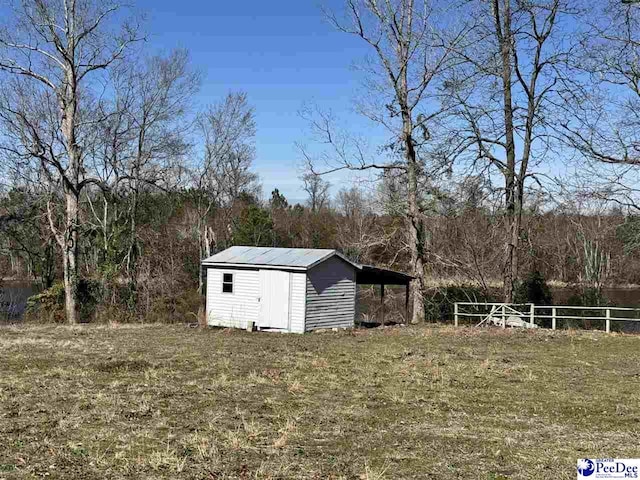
<point x="331" y="295"/>
<point x="298" y="301"/>
<point x="237" y="308"/>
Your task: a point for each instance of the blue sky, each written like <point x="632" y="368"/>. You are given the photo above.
<point x="281" y="52"/>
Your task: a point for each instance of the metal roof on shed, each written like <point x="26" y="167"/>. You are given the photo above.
<point x="275" y="257"/>
<point x="302" y="259"/>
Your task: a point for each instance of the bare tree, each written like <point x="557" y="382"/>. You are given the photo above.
<point x="360" y="232"/>
<point x="54" y="49"/>
<point x="411" y="49"/>
<point x="511" y="78"/>
<point x="140" y="147"/>
<point x="352" y="202"/>
<point x="161" y="94"/>
<point x="317" y="190"/>
<point x="228" y="130"/>
<point x="603" y="119"/>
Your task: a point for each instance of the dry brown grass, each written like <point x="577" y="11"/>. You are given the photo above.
<point x="431" y="402"/>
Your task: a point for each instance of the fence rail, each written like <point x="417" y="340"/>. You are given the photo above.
<point x="528" y="313"/>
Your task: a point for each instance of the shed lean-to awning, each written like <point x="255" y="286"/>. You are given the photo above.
<point x="370" y="275"/>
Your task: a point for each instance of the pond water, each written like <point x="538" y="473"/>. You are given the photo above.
<point x="13" y="299"/>
<point x="616" y="296"/>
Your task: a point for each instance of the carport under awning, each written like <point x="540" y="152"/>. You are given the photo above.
<point x="370" y="275"/>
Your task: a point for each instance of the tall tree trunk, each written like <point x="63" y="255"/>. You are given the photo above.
<point x="71" y="186"/>
<point x="70" y="258"/>
<point x="202" y="235"/>
<point x="132" y="254"/>
<point x="49" y="265"/>
<point x="502" y="18"/>
<point x="207" y="237"/>
<point x="416" y="242"/>
<point x="415" y="224"/>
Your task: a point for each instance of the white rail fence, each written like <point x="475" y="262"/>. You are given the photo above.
<point x="529" y="315"/>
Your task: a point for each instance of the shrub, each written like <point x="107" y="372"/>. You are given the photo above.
<point x="48" y="305"/>
<point x="534" y="289"/>
<point x="177" y="308"/>
<point x="439" y="301"/>
<point x="587" y="297"/>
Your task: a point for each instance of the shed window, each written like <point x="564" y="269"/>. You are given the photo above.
<point x="227" y="283"/>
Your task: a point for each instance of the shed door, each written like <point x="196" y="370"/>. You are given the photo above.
<point x="274" y="299"/>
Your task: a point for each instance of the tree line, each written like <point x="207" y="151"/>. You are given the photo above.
<point x="510" y="147"/>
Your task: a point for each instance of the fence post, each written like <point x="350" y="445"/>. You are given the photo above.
<point x="455" y="314"/>
<point x="504" y="318"/>
<point x="608" y="321"/>
<point x="553" y="318"/>
<point x="531" y="315"/>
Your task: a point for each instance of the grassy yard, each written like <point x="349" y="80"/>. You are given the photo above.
<point x="432" y="402"/>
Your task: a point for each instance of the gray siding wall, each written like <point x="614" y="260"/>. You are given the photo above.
<point x="331" y="295"/>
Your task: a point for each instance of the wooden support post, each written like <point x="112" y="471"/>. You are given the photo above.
<point x="382" y="302"/>
<point x="504" y="317"/>
<point x="608" y="321"/>
<point x="532" y="315"/>
<point x="553" y="318"/>
<point x="455" y="314"/>
<point x="406" y="304"/>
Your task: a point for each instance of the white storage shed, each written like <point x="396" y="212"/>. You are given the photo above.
<point x="287" y="289"/>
